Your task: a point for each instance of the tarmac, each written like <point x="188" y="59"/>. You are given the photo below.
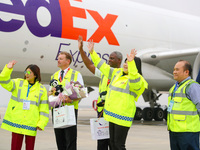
<point x="151" y="135"/>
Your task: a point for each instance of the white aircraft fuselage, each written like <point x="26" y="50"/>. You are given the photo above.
<point x="35" y="31"/>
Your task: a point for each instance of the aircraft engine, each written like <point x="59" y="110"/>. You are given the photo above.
<point x="196" y="66"/>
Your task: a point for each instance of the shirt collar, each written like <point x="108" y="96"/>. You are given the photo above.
<point x="188" y="78"/>
<point x="65" y="70"/>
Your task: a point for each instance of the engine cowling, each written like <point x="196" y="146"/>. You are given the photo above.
<point x="196" y="66"/>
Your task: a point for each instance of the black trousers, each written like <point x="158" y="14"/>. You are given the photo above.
<point x="105" y="143"/>
<point x="118" y="136"/>
<point x="184" y="140"/>
<point x="66" y="138"/>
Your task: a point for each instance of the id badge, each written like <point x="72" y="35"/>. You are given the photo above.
<point x="26" y="104"/>
<point x="169" y="109"/>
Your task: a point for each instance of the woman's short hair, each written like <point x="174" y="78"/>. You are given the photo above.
<point x="36" y="71"/>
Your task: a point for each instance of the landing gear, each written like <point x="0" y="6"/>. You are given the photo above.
<point x="155" y="111"/>
<point x="147" y="114"/>
<point x="158" y="114"/>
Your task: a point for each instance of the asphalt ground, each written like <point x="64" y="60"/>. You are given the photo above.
<point x="151" y="135"/>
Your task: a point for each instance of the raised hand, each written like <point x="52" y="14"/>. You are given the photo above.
<point x="90" y="46"/>
<point x="80" y="42"/>
<point x="132" y="55"/>
<point x="11" y="64"/>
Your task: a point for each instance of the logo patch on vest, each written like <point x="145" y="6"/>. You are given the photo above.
<point x="123" y="83"/>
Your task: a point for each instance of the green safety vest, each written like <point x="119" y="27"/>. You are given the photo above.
<point x="102" y="87"/>
<point x="71" y="75"/>
<point x="17" y="119"/>
<point x="184" y="116"/>
<point x="122" y="92"/>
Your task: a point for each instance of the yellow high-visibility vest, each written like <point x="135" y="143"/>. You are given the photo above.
<point x="17" y="119"/>
<point x="184" y="116"/>
<point x="102" y="87"/>
<point x="70" y="76"/>
<point x="122" y="92"/>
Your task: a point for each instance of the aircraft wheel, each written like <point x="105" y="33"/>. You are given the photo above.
<point x="158" y="114"/>
<point x="165" y="114"/>
<point x="138" y="114"/>
<point x="147" y="114"/>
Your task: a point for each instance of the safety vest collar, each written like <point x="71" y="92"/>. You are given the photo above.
<point x="180" y="92"/>
<point x="71" y="71"/>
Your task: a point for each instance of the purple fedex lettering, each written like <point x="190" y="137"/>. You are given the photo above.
<point x="76" y="58"/>
<point x="13" y="24"/>
<point x="29" y="11"/>
<point x="73" y="55"/>
<point x="55" y="26"/>
<point x="105" y="57"/>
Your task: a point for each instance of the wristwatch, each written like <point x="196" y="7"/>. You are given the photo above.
<point x="72" y="101"/>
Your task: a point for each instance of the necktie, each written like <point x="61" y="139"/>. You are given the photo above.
<point x="61" y="75"/>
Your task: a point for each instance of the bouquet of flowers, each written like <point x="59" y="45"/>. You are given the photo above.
<point x="72" y="89"/>
<point x="75" y="90"/>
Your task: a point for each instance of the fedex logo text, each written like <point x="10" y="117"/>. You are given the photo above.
<point x="61" y="24"/>
<point x="76" y="56"/>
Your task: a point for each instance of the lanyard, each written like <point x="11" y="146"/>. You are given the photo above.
<point x="28" y="90"/>
<point x="63" y="75"/>
<point x="108" y="82"/>
<point x="175" y="88"/>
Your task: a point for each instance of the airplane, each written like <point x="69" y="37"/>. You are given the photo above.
<point x="35" y="31"/>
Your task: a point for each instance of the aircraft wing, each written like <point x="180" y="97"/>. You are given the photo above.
<point x="166" y="59"/>
<point x="157" y="69"/>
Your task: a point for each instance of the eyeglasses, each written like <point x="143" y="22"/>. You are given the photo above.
<point x="27" y="72"/>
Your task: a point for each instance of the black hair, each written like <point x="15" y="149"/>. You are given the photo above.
<point x="36" y="71"/>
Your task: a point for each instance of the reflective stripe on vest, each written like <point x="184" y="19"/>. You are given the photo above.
<point x="126" y="90"/>
<point x="73" y="75"/>
<point x="44" y="114"/>
<point x="19" y="125"/>
<point x="110" y="71"/>
<point x="19" y="91"/>
<point x="100" y="84"/>
<point x="135" y="80"/>
<point x="100" y="64"/>
<point x="179" y="119"/>
<point x="177" y="112"/>
<point x="125" y="118"/>
<point x="40" y="95"/>
<point x="181" y="94"/>
<point x="14" y="86"/>
<point x="31" y="102"/>
<point x="5" y="82"/>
